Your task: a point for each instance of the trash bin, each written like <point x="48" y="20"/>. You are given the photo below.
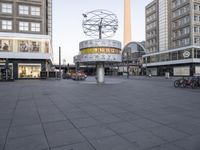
<point x="167" y="75"/>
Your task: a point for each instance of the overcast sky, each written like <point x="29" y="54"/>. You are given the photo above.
<point x="67" y="23"/>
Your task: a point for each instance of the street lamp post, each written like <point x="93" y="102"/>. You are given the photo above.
<point x="146" y="65"/>
<point x="60" y="76"/>
<point x="127" y="63"/>
<point x="68" y="67"/>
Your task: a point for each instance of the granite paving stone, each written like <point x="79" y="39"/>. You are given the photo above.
<point x="108" y="118"/>
<point x="85" y="122"/>
<point x="96" y="132"/>
<point x="127" y="116"/>
<point x="35" y="142"/>
<point x="23" y="121"/>
<point x="167" y="133"/>
<point x="58" y="126"/>
<point x="52" y="117"/>
<point x="122" y="127"/>
<point x="166" y="147"/>
<point x="2" y="142"/>
<point x="77" y="115"/>
<point x="189" y="143"/>
<point x="188" y="127"/>
<point x="23" y="131"/>
<point x="63" y="138"/>
<point x="3" y="133"/>
<point x="144" y="123"/>
<point x="4" y="123"/>
<point x="144" y="139"/>
<point x="25" y="112"/>
<point x="5" y="115"/>
<point x="113" y="143"/>
<point x="79" y="146"/>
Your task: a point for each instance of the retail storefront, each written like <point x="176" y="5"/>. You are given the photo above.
<point x="26" y="69"/>
<point x="178" y="62"/>
<point x="27" y="54"/>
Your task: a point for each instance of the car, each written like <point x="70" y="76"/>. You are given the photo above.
<point x="79" y="75"/>
<point x="67" y="75"/>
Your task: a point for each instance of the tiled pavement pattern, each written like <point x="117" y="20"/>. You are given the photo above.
<point x="141" y="114"/>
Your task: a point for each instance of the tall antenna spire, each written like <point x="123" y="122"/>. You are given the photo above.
<point x="127" y="22"/>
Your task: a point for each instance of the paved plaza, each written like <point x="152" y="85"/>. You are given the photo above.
<point x="124" y="114"/>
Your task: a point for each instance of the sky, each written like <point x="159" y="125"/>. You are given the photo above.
<point x="67" y="23"/>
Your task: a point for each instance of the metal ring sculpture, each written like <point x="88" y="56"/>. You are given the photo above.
<point x="100" y="24"/>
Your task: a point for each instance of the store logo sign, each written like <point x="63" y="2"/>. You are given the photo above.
<point x="186" y="54"/>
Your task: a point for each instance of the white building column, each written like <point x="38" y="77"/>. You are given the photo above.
<point x="163" y="25"/>
<point x="100" y="73"/>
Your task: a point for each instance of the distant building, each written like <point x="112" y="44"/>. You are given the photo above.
<point x="173" y="37"/>
<point x="132" y="58"/>
<point x="26" y="36"/>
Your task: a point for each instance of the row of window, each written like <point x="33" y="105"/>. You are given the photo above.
<point x="197" y="7"/>
<point x="151" y="9"/>
<point x="151" y="25"/>
<point x="172" y="56"/>
<point x="151" y="33"/>
<point x="151" y="42"/>
<point x="196" y="18"/>
<point x="197" y="40"/>
<point x="151" y="17"/>
<point x="197" y="29"/>
<point x="177" y="3"/>
<point x="181" y="11"/>
<point x="23" y="26"/>
<point x="151" y="50"/>
<point x="181" y="22"/>
<point x="177" y="43"/>
<point x="22" y="9"/>
<point x="24" y="46"/>
<point x="181" y="32"/>
<point x="181" y="43"/>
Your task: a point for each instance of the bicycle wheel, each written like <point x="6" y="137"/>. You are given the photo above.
<point x="183" y="84"/>
<point x="176" y="83"/>
<point x="194" y="85"/>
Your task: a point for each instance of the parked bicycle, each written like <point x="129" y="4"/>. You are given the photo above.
<point x="187" y="82"/>
<point x="196" y="83"/>
<point x="193" y="82"/>
<point x="178" y="83"/>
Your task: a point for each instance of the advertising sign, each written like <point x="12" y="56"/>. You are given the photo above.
<point x="182" y="71"/>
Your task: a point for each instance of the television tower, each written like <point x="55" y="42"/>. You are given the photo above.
<point x="127" y="22"/>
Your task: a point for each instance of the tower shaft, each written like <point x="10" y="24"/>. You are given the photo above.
<point x="127" y="22"/>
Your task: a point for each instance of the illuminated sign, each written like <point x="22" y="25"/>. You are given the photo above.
<point x="100" y="51"/>
<point x="186" y="54"/>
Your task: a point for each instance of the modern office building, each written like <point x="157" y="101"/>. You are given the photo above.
<point x="26" y="36"/>
<point x="173" y="37"/>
